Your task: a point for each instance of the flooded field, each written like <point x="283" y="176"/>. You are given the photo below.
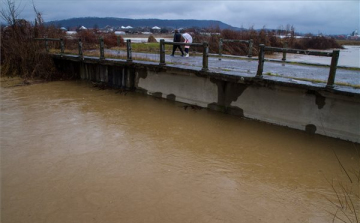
<point x="145" y="40"/>
<point x="349" y="57"/>
<point x="73" y="153"/>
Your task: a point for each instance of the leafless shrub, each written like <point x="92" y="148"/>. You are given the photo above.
<point x="263" y="36"/>
<point x="111" y="40"/>
<point x="88" y="38"/>
<point x="21" y="54"/>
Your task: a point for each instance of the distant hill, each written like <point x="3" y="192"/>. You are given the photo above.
<point x="90" y="22"/>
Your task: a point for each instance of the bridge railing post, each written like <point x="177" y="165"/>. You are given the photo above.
<point x="162" y="52"/>
<point x="205" y="57"/>
<point x="80" y="49"/>
<point x="261" y="60"/>
<point x="46" y="45"/>
<point x="118" y="41"/>
<point x="220" y="47"/>
<point x="128" y="51"/>
<point x="61" y="46"/>
<point x="102" y="55"/>
<point x="284" y="51"/>
<point x="250" y="48"/>
<point x="333" y="66"/>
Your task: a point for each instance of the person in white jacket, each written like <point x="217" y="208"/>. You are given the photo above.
<point x="188" y="39"/>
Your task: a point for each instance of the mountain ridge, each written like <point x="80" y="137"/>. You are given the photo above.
<point x="101" y="22"/>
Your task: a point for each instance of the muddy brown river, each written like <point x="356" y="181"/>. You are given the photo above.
<point x="74" y="153"/>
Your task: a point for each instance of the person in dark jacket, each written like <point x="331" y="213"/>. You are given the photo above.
<point x="177" y="39"/>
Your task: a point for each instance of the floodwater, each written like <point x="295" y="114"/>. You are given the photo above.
<point x="145" y="40"/>
<point x="73" y="153"/>
<point x="349" y="57"/>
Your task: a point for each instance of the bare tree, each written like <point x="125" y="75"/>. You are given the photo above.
<point x="21" y="55"/>
<point x="10" y="11"/>
<point x="38" y="19"/>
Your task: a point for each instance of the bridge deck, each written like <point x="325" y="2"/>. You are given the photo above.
<point x="248" y="67"/>
<point x="347" y="79"/>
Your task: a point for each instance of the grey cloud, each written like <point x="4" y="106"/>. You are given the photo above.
<point x="329" y="16"/>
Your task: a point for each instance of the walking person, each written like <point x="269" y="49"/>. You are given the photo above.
<point x="188" y="39"/>
<point x="177" y="39"/>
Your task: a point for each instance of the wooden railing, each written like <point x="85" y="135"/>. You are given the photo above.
<point x="249" y="42"/>
<point x="205" y="67"/>
<point x="46" y="40"/>
<point x="333" y="66"/>
<point x="204" y="45"/>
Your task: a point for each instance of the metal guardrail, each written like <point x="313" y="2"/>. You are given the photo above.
<point x="333" y="66"/>
<point x="205" y="46"/>
<point x="249" y="42"/>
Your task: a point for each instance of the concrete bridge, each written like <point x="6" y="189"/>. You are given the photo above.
<point x="234" y="86"/>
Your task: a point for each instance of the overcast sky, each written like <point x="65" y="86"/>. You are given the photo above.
<point x="327" y="17"/>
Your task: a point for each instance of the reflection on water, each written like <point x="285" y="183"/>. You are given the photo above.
<point x="350" y="57"/>
<point x="72" y="153"/>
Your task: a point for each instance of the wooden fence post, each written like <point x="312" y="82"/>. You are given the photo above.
<point x="333" y="66"/>
<point x="162" y="52"/>
<point x="80" y="50"/>
<point x="46" y="45"/>
<point x="128" y="51"/>
<point x="102" y="56"/>
<point x="61" y="46"/>
<point x="220" y="47"/>
<point x="284" y="51"/>
<point x="250" y="48"/>
<point x="205" y="57"/>
<point x="118" y="41"/>
<point x="261" y="61"/>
